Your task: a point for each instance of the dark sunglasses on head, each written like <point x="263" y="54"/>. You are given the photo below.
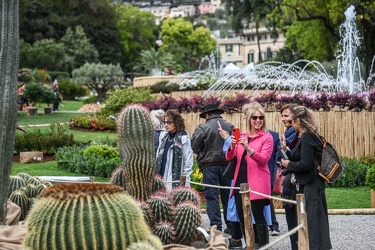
<point x="254" y="118"/>
<point x="167" y="122"/>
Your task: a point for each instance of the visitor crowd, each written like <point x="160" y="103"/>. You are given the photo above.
<point x="255" y="159"/>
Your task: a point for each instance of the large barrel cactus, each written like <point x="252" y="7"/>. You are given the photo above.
<point x="9" y="60"/>
<point x="137" y="146"/>
<point x="86" y="216"/>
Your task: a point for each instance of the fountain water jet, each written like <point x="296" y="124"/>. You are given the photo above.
<point x="278" y="75"/>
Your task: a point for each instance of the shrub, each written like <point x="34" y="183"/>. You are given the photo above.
<point x="122" y="97"/>
<point x="354" y="174"/>
<point x="98" y="160"/>
<point x="47" y="141"/>
<point x="70" y="90"/>
<point x="93" y="121"/>
<point x="196" y="176"/>
<point x="370" y="177"/>
<point x="161" y="87"/>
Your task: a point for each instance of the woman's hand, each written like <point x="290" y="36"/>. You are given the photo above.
<point x="245" y="144"/>
<point x="283" y="142"/>
<point x="284" y="163"/>
<point x="224" y="134"/>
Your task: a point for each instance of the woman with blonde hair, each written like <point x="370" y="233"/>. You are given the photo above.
<point x="253" y="150"/>
<point x="305" y="153"/>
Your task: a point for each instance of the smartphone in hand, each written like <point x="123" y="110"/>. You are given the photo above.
<point x="282" y="153"/>
<point x="236" y="133"/>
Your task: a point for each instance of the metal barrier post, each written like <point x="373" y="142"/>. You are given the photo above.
<point x="303" y="234"/>
<point x="248" y="223"/>
<point x="183" y="180"/>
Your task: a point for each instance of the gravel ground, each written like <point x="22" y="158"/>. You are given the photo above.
<point x="347" y="231"/>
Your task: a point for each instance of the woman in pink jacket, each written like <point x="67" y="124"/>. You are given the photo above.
<point x="253" y="150"/>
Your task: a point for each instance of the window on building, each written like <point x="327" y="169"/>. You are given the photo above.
<point x="269" y="53"/>
<point x="262" y="56"/>
<point x="250" y="38"/>
<point x="229" y="48"/>
<point x="262" y="37"/>
<point x="250" y="58"/>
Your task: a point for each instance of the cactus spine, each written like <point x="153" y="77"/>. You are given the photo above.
<point x="137" y="146"/>
<point x="9" y="61"/>
<point x="186" y="220"/>
<point x="86" y="216"/>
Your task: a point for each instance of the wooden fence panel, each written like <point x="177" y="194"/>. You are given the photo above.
<point x="353" y="133"/>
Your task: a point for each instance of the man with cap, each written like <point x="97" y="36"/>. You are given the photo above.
<point x="207" y="143"/>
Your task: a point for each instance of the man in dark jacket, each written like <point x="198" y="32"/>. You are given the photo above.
<point x="207" y="143"/>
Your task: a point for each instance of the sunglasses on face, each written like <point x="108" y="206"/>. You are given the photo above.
<point x="254" y="118"/>
<point x="167" y="122"/>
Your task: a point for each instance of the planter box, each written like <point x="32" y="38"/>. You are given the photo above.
<point x="32" y="111"/>
<point x="373" y="198"/>
<point x="29" y="157"/>
<point x="47" y="110"/>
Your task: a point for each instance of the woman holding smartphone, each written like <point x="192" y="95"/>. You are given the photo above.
<point x="253" y="150"/>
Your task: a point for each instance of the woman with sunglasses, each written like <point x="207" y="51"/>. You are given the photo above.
<point x="174" y="156"/>
<point x="253" y="150"/>
<point x="308" y="150"/>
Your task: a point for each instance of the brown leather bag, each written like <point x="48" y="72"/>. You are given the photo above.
<point x="279" y="178"/>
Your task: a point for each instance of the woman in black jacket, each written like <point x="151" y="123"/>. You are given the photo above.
<point x="308" y="182"/>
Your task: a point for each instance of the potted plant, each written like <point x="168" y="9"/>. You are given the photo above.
<point x="48" y="97"/>
<point x="370" y="181"/>
<point x="34" y="93"/>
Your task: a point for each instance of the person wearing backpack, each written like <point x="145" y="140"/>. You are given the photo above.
<point x="301" y="164"/>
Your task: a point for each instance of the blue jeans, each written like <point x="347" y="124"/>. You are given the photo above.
<point x="213" y="175"/>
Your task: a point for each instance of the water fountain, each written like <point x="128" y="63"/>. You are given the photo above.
<point x="277" y="75"/>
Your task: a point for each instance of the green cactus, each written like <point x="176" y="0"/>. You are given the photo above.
<point x="16" y="183"/>
<point x="165" y="232"/>
<point x="9" y="62"/>
<point x="47" y="183"/>
<point x="147" y="213"/>
<point x="183" y="194"/>
<point x="85" y="216"/>
<point x="24" y="176"/>
<point x="31" y="191"/>
<point x="161" y="207"/>
<point x="34" y="181"/>
<point x="20" y="198"/>
<point x="118" y="177"/>
<point x="31" y="202"/>
<point x="40" y="188"/>
<point x="186" y="221"/>
<point x="158" y="184"/>
<point x="137" y="146"/>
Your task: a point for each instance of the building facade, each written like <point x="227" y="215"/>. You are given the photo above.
<point x="244" y="50"/>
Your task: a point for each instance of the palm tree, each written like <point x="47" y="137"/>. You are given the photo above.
<point x="152" y="59"/>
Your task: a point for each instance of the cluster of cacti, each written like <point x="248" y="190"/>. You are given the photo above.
<point x="88" y="216"/>
<point x="173" y="216"/>
<point x="24" y="189"/>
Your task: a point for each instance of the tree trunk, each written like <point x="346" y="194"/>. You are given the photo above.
<point x="9" y="60"/>
<point x="258" y="41"/>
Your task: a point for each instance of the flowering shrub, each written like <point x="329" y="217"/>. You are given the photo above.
<point x="196" y="176"/>
<point x="93" y="122"/>
<point x="322" y="101"/>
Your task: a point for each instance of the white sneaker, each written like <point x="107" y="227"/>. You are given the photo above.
<point x="275" y="233"/>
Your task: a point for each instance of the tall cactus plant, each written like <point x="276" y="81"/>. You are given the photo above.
<point x="137" y="146"/>
<point x="9" y="60"/>
<point x="87" y="216"/>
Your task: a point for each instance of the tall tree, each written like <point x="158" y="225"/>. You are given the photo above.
<point x="137" y="31"/>
<point x="45" y="19"/>
<point x="152" y="59"/>
<point x="248" y="14"/>
<point x="78" y="49"/>
<point x="99" y="77"/>
<point x="9" y="59"/>
<point x="180" y="33"/>
<point x="44" y="54"/>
